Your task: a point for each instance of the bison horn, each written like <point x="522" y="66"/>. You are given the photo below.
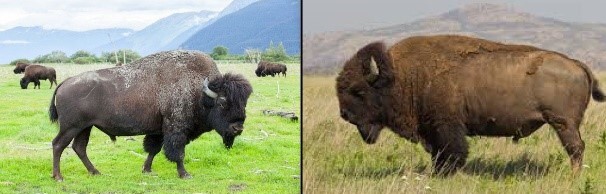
<point x="374" y="71"/>
<point x="207" y="90"/>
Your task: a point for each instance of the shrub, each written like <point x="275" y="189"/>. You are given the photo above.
<point x="14" y="62"/>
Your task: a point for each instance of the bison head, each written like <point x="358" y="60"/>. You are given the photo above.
<point x="361" y="89"/>
<point x="226" y="97"/>
<point x="24" y="82"/>
<point x="20" y="68"/>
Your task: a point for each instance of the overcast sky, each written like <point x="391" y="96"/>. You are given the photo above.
<point x="81" y="15"/>
<point x="335" y="15"/>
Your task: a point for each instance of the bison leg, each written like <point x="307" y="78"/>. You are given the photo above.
<point x="152" y="144"/>
<point x="448" y="148"/>
<point x="36" y="83"/>
<point x="79" y="146"/>
<point x="59" y="143"/>
<point x="51" y="80"/>
<point x="570" y="137"/>
<point x="174" y="149"/>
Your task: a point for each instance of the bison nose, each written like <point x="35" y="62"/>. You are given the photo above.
<point x="237" y="128"/>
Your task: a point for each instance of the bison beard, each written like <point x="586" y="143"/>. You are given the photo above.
<point x="189" y="99"/>
<point x="438" y="89"/>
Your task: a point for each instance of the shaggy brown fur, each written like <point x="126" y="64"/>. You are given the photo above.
<point x="20" y="67"/>
<point x="35" y="73"/>
<point x="438" y="89"/>
<point x="171" y="112"/>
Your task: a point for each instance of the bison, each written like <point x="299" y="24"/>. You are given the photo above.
<point x="20" y="67"/>
<point x="265" y="68"/>
<point x="438" y="89"/>
<point x="35" y="73"/>
<point x="188" y="97"/>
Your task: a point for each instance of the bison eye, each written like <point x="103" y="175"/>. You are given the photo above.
<point x="358" y="94"/>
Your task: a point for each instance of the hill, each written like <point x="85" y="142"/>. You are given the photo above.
<point x="324" y="53"/>
<point x="253" y="26"/>
<point x="30" y="42"/>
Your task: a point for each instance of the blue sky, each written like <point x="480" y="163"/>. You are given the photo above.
<point x="81" y="15"/>
<point x="335" y="15"/>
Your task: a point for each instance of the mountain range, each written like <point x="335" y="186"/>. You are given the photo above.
<point x="325" y="53"/>
<point x="29" y="42"/>
<point x="254" y="26"/>
<point x="242" y="24"/>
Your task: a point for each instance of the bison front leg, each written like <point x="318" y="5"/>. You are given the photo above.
<point x="448" y="148"/>
<point x="174" y="149"/>
<point x="152" y="144"/>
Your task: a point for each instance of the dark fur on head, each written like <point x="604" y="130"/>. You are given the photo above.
<point x="360" y="100"/>
<point x="228" y="110"/>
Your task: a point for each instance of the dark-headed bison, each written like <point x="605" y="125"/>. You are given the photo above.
<point x="35" y="73"/>
<point x="20" y="67"/>
<point x="439" y="89"/>
<point x="171" y="97"/>
<point x="265" y="68"/>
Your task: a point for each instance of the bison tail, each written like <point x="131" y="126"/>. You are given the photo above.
<point x="597" y="94"/>
<point x="52" y="110"/>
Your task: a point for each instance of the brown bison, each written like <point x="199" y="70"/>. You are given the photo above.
<point x="189" y="97"/>
<point x="265" y="68"/>
<point x="20" y="67"/>
<point x="35" y="73"/>
<point x="439" y="89"/>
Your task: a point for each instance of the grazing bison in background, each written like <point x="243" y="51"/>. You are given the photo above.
<point x="35" y="73"/>
<point x="20" y="67"/>
<point x="265" y="68"/>
<point x="188" y="97"/>
<point x="438" y="89"/>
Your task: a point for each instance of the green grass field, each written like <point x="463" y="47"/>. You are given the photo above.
<point x="264" y="159"/>
<point x="336" y="160"/>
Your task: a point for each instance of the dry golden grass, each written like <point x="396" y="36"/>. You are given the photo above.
<point x="336" y="160"/>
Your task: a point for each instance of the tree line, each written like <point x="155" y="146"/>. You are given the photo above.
<point x="83" y="57"/>
<point x="273" y="53"/>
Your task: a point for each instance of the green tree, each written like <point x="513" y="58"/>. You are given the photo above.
<point x="14" y="62"/>
<point x="110" y="57"/>
<point x="81" y="53"/>
<point x="275" y="53"/>
<point x="219" y="52"/>
<point x="53" y="57"/>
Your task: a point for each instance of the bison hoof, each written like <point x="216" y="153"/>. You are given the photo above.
<point x="94" y="172"/>
<point x="185" y="176"/>
<point x="58" y="178"/>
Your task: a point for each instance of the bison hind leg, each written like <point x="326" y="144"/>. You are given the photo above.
<point x="449" y="149"/>
<point x="79" y="146"/>
<point x="60" y="142"/>
<point x="570" y="137"/>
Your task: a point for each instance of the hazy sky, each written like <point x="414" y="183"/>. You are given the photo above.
<point x="334" y="15"/>
<point x="80" y="15"/>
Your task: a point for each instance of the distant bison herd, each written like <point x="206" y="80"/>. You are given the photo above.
<point x="35" y="73"/>
<point x="265" y="68"/>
